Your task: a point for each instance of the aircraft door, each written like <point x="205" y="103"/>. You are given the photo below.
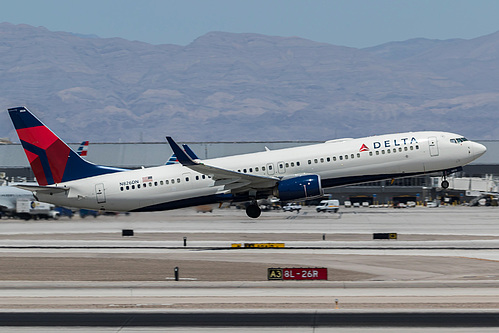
<point x="433" y="144"/>
<point x="100" y="193"/>
<point x="281" y="167"/>
<point x="270" y="169"/>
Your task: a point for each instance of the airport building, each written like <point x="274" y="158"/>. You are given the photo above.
<point x="476" y="177"/>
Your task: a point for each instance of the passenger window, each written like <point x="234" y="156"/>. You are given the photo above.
<point x="173" y="181"/>
<point x="309" y="162"/>
<point x="370" y="153"/>
<point x="328" y="159"/>
<point x="358" y="155"/>
<point x="352" y="156"/>
<point x="383" y="151"/>
<point x="292" y="164"/>
<point x="341" y="158"/>
<point x="133" y="187"/>
<point x="256" y="169"/>
<point x="412" y="148"/>
<point x="155" y="183"/>
<point x="417" y="146"/>
<point x="121" y="188"/>
<point x="167" y="182"/>
<point x="138" y="185"/>
<point x="394" y="150"/>
<point x="297" y="163"/>
<point x="287" y="165"/>
<point x="405" y="148"/>
<point x="127" y="187"/>
<point x="178" y="180"/>
<point x="334" y="158"/>
<point x="346" y="157"/>
<point x="315" y="160"/>
<point x="388" y="151"/>
<point x="244" y="170"/>
<point x="186" y="179"/>
<point x="263" y="168"/>
<point x="322" y="160"/>
<point x="150" y="184"/>
<point x="250" y="169"/>
<point x="270" y="167"/>
<point x="197" y="177"/>
<point x="377" y="152"/>
<point x="400" y="149"/>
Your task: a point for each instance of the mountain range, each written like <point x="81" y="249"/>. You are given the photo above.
<point x="246" y="87"/>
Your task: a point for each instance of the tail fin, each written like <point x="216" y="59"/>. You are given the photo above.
<point x="51" y="160"/>
<point x="83" y="149"/>
<point x="172" y="160"/>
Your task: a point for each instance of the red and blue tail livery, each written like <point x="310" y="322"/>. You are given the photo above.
<point x="51" y="160"/>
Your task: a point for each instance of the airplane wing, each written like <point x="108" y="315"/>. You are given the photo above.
<point x="232" y="180"/>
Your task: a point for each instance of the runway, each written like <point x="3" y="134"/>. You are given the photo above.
<point x="444" y="262"/>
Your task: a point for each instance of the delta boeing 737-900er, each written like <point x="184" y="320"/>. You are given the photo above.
<point x="299" y="173"/>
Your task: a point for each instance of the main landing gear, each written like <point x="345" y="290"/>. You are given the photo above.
<point x="253" y="210"/>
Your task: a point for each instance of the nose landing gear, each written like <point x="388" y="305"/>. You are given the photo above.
<point x="445" y="183"/>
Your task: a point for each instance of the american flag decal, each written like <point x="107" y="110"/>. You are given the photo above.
<point x="147" y="179"/>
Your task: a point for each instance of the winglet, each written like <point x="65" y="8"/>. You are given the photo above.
<point x="189" y="152"/>
<point x="182" y="157"/>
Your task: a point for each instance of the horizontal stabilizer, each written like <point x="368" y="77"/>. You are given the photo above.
<point x="44" y="189"/>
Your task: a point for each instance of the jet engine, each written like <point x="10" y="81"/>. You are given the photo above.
<point x="301" y="187"/>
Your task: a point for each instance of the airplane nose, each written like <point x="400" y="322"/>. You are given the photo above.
<point x="478" y="149"/>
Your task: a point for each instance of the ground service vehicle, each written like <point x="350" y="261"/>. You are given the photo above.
<point x="290" y="207"/>
<point x="331" y="206"/>
<point x="32" y="209"/>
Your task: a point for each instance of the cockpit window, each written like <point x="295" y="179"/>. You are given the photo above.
<point x="458" y="140"/>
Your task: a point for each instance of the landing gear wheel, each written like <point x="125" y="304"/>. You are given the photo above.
<point x="253" y="211"/>
<point x="445" y="184"/>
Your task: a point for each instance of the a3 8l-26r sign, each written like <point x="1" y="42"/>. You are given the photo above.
<point x="297" y="274"/>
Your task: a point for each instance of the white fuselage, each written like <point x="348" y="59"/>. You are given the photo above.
<point x="337" y="162"/>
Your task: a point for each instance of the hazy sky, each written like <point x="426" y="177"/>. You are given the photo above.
<point x="355" y="23"/>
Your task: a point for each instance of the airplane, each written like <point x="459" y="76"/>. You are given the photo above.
<point x="9" y="196"/>
<point x="298" y="173"/>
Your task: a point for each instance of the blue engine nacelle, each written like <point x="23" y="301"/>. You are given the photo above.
<point x="302" y="187"/>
